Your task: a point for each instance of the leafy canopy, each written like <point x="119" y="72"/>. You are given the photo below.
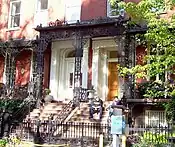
<point x="159" y="41"/>
<point x="159" y="38"/>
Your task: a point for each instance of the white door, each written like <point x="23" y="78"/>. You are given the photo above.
<point x="69" y="78"/>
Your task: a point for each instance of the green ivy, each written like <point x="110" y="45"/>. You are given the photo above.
<point x="151" y="89"/>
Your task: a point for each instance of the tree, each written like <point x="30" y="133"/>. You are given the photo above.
<point x="160" y="46"/>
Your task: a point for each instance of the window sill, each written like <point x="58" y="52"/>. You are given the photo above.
<point x="13" y="29"/>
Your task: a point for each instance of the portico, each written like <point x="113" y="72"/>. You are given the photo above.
<point x="85" y="55"/>
<point x="105" y="76"/>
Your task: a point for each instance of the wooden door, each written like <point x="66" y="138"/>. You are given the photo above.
<point x="112" y="80"/>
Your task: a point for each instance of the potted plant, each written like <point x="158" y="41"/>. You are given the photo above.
<point x="48" y="97"/>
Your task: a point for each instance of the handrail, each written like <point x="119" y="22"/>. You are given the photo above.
<point x="63" y="114"/>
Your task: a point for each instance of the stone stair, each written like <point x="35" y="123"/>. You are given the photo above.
<point x="82" y="114"/>
<point x="74" y="126"/>
<point x="43" y="113"/>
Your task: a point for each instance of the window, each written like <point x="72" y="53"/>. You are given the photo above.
<point x="42" y="5"/>
<point x="114" y="9"/>
<point x="155" y="118"/>
<point x="14" y="18"/>
<point x="72" y="11"/>
<point x="41" y="15"/>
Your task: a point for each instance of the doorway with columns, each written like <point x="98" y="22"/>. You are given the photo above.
<point x="105" y="74"/>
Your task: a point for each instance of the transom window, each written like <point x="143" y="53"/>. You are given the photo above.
<point x="15" y="10"/>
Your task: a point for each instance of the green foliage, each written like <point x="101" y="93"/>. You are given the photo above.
<point x="151" y="89"/>
<point x="10" y="104"/>
<point x="47" y="91"/>
<point x="160" y="45"/>
<point x="150" y="139"/>
<point x="3" y="142"/>
<point x="159" y="37"/>
<point x="158" y="138"/>
<point x="170" y="110"/>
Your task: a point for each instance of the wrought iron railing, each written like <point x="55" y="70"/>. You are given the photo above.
<point x="65" y="112"/>
<point x="164" y="135"/>
<point x="80" y="94"/>
<point x="84" y="133"/>
<point x="73" y="132"/>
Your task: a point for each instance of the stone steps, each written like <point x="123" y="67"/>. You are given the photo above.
<point x="82" y="115"/>
<point x="49" y="109"/>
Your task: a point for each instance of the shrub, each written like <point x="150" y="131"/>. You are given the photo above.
<point x="3" y="142"/>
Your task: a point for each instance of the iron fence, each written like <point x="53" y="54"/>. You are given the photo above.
<point x="75" y="133"/>
<point x="87" y="134"/>
<point x="156" y="135"/>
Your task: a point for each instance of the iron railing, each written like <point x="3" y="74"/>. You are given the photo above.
<point x="79" y="134"/>
<point x="70" y="132"/>
<point x="65" y="112"/>
<point x="164" y="135"/>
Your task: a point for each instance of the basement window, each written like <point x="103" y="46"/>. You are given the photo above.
<point x="154" y="118"/>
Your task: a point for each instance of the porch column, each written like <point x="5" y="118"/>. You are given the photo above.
<point x="42" y="45"/>
<point x="95" y="67"/>
<point x="130" y="62"/>
<point x="90" y="54"/>
<point x="85" y="66"/>
<point x="79" y="46"/>
<point x="53" y="71"/>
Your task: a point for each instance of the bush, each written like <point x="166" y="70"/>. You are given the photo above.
<point x="148" y="139"/>
<point x="3" y="142"/>
<point x="154" y="137"/>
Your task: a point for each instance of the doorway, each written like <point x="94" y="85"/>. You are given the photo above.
<point x="69" y="73"/>
<point x="113" y="81"/>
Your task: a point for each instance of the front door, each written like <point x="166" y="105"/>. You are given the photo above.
<point x="112" y="80"/>
<point x="69" y="77"/>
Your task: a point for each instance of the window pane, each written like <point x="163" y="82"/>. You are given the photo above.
<point x="15" y="8"/>
<point x="12" y="21"/>
<point x="15" y="21"/>
<point x="44" y="4"/>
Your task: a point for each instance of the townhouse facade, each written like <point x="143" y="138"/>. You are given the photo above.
<point x="81" y="42"/>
